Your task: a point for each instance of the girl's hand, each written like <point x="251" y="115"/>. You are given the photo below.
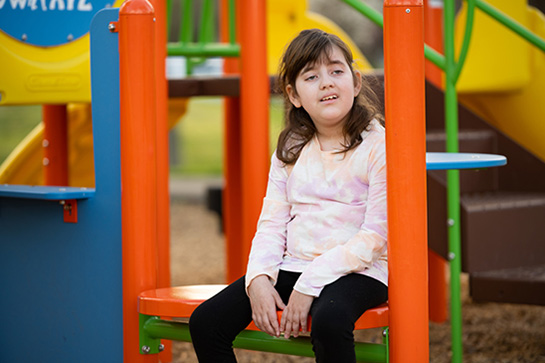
<point x="264" y="299"/>
<point x="295" y="315"/>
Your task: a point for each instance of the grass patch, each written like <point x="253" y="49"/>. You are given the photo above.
<point x="197" y="148"/>
<point x="15" y="123"/>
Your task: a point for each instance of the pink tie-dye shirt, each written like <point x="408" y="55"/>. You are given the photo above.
<point x="325" y="216"/>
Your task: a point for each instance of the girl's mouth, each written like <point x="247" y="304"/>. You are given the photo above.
<point x="329" y="98"/>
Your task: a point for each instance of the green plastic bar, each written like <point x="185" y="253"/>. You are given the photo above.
<point x="367" y="11"/>
<point x="169" y="15"/>
<point x="203" y="50"/>
<point x="186" y="28"/>
<point x="453" y="183"/>
<point x="511" y="24"/>
<point x="376" y="17"/>
<point x="256" y="340"/>
<point x="434" y="56"/>
<point x="206" y="32"/>
<point x="232" y="22"/>
<point x="467" y="37"/>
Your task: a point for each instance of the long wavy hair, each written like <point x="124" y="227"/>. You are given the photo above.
<point x="309" y="47"/>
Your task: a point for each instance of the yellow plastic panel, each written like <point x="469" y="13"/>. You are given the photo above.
<point x="498" y="59"/>
<point x="519" y="114"/>
<point x="286" y="18"/>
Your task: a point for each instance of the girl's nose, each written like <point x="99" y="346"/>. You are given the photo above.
<point x="326" y="81"/>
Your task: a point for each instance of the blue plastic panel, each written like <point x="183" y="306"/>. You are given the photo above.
<point x="48" y="23"/>
<point x="62" y="282"/>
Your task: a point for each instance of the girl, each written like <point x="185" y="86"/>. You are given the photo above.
<point x="320" y="246"/>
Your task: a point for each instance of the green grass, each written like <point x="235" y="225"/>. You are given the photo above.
<point x="198" y="148"/>
<point x="197" y="138"/>
<point x="15" y="123"/>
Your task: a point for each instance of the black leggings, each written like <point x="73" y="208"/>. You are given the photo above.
<point x="215" y="324"/>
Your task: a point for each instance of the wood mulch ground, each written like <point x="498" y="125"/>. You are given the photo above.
<point x="491" y="332"/>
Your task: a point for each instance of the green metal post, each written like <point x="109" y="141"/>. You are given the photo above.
<point x="453" y="183"/>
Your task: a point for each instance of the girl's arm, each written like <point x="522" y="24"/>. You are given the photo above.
<point x="269" y="243"/>
<point x="366" y="246"/>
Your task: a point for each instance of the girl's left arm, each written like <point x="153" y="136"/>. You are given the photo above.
<point x="366" y="246"/>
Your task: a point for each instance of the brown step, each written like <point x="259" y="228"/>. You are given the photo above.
<point x="522" y="285"/>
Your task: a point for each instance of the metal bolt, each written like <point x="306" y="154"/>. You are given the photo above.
<point x="408" y="11"/>
<point x="146" y="349"/>
<point x="62" y="202"/>
<point x="384" y="333"/>
<point x="450" y="222"/>
<point x="161" y="347"/>
<point x="451" y="256"/>
<point x="45" y="143"/>
<point x="70" y="37"/>
<point x="24" y="37"/>
<point x="111" y="27"/>
<point x="45" y="162"/>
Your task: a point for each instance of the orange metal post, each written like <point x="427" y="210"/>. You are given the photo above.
<point x="406" y="155"/>
<point x="433" y="36"/>
<point x="55" y="145"/>
<point x="163" y="195"/>
<point x="138" y="164"/>
<point x="254" y="94"/>
<point x="232" y="171"/>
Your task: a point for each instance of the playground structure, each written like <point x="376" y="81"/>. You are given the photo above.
<point x="107" y="194"/>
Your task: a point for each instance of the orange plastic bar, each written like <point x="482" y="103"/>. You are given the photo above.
<point x="406" y="156"/>
<point x="254" y="95"/>
<point x="163" y="195"/>
<point x="232" y="170"/>
<point x="138" y="165"/>
<point x="433" y="36"/>
<point x="55" y="145"/>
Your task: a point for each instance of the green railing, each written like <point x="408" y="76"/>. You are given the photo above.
<point x="205" y="44"/>
<point x="453" y="69"/>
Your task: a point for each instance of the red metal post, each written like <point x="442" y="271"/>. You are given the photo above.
<point x="138" y="164"/>
<point x="55" y="145"/>
<point x="254" y="94"/>
<point x="406" y="155"/>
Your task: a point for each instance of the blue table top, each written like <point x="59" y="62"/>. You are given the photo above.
<point x="444" y="161"/>
<point x="45" y="192"/>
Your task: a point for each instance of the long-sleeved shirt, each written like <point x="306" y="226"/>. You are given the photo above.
<point x="325" y="216"/>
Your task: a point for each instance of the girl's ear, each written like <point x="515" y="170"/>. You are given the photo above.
<point x="292" y="94"/>
<point x="357" y="82"/>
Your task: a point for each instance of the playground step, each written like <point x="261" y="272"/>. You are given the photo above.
<point x="502" y="230"/>
<point x="523" y="285"/>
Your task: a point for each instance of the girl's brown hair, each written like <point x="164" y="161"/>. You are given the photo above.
<point x="309" y="47"/>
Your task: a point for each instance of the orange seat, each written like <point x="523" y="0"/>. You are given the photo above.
<point x="180" y="301"/>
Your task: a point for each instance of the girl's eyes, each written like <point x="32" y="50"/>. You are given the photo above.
<point x="313" y="77"/>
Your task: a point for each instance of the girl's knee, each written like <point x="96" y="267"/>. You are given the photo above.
<point x="200" y="321"/>
<point x="331" y="325"/>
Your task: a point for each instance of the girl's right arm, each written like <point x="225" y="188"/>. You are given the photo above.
<point x="269" y="243"/>
<point x="268" y="247"/>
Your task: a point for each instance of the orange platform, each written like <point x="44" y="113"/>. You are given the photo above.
<point x="179" y="302"/>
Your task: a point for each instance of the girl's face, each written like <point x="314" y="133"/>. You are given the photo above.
<point x="326" y="90"/>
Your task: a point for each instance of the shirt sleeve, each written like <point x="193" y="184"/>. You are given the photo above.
<point x="366" y="246"/>
<point x="269" y="243"/>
